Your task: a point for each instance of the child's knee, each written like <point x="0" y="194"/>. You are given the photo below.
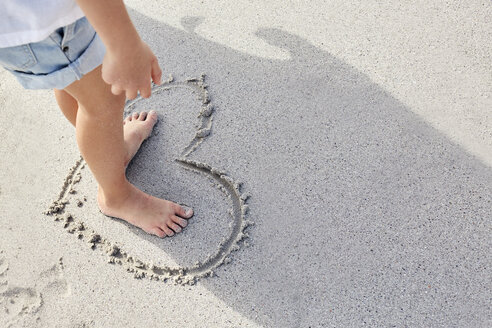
<point x="110" y="105"/>
<point x="95" y="96"/>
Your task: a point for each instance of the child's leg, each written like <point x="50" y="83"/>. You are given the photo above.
<point x="68" y="105"/>
<point x="106" y="150"/>
<point x="133" y="134"/>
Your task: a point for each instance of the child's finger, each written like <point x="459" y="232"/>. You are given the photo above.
<point x="156" y="72"/>
<point x="145" y="91"/>
<point x="131" y="94"/>
<point x="116" y="90"/>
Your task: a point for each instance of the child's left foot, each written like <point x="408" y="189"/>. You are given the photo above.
<point x="136" y="128"/>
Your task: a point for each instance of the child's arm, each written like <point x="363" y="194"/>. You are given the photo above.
<point x="129" y="64"/>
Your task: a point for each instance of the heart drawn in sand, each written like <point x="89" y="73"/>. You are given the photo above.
<point x="186" y="274"/>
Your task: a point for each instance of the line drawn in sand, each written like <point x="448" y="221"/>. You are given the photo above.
<point x="230" y="187"/>
<point x="23" y="304"/>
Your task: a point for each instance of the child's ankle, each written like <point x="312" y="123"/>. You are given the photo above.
<point x="115" y="197"/>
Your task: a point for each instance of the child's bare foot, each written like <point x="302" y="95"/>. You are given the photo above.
<point x="137" y="127"/>
<point x="153" y="215"/>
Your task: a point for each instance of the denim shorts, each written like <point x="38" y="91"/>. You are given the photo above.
<point x="59" y="60"/>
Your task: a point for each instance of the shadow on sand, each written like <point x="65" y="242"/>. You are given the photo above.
<point x="364" y="213"/>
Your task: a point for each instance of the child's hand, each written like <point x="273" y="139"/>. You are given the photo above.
<point x="131" y="69"/>
<point x="129" y="64"/>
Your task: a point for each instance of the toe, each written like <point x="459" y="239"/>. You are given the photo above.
<point x="135" y="116"/>
<point x="158" y="232"/>
<point x="182" y="222"/>
<point x="152" y="115"/>
<point x="179" y="210"/>
<point x="142" y="116"/>
<point x="176" y="228"/>
<point x="166" y="229"/>
<point x="128" y="119"/>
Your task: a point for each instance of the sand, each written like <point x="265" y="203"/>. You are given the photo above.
<point x="337" y="156"/>
<point x="70" y="201"/>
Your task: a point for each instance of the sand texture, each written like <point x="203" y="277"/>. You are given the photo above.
<point x="337" y="156"/>
<point x="79" y="215"/>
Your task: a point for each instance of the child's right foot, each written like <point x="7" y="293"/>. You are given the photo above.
<point x="153" y="215"/>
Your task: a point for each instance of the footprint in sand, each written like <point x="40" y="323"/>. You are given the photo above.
<point x="22" y="305"/>
<point x="80" y="224"/>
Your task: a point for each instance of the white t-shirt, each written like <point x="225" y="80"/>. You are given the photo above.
<point x="26" y="21"/>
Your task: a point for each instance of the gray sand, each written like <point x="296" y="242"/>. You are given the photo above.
<point x="362" y="134"/>
<point x="172" y="171"/>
